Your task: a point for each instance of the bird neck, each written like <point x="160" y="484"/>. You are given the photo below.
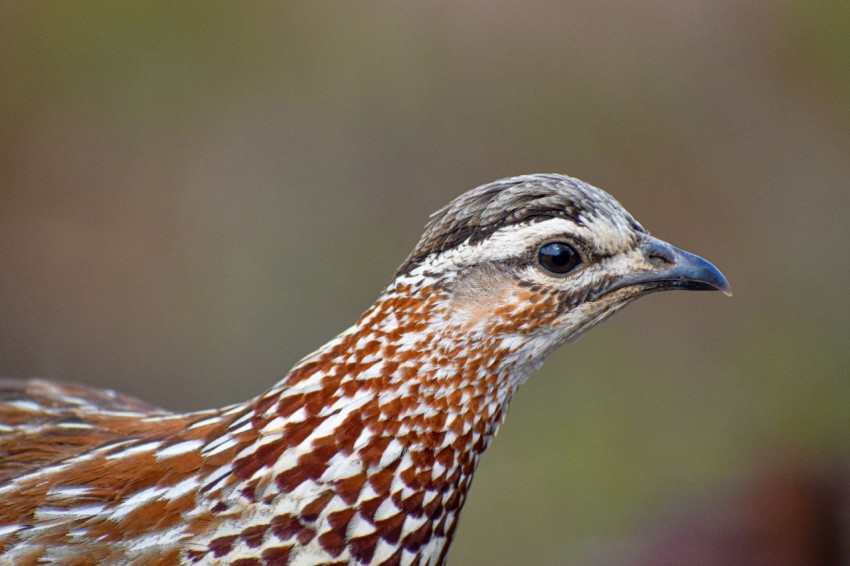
<point x="375" y="436"/>
<point x="400" y="406"/>
<point x="408" y="363"/>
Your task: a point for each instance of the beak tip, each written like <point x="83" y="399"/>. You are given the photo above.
<point x="719" y="282"/>
<point x="705" y="272"/>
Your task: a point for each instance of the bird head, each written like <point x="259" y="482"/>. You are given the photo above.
<point x="535" y="260"/>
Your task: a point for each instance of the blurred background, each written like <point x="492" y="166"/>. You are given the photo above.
<point x="195" y="195"/>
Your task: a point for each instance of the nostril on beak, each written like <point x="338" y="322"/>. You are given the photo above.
<point x="661" y="259"/>
<point x="659" y="253"/>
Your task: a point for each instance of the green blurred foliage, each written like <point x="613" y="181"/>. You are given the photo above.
<point x="195" y="195"/>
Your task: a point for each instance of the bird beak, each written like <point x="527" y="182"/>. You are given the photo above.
<point x="674" y="269"/>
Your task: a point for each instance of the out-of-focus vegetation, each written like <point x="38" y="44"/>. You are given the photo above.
<point x="194" y="195"/>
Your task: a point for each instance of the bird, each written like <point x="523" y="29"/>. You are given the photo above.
<point x="365" y="451"/>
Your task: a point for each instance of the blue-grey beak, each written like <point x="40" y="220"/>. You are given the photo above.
<point x="675" y="269"/>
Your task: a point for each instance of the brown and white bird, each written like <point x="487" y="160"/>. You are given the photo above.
<point x="365" y="451"/>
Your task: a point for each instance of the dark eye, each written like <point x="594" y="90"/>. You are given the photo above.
<point x="558" y="257"/>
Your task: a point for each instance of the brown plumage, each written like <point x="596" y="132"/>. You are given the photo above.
<point x="364" y="452"/>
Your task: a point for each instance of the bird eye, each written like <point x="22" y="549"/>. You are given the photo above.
<point x="558" y="258"/>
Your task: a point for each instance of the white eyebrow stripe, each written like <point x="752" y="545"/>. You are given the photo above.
<point x="505" y="243"/>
